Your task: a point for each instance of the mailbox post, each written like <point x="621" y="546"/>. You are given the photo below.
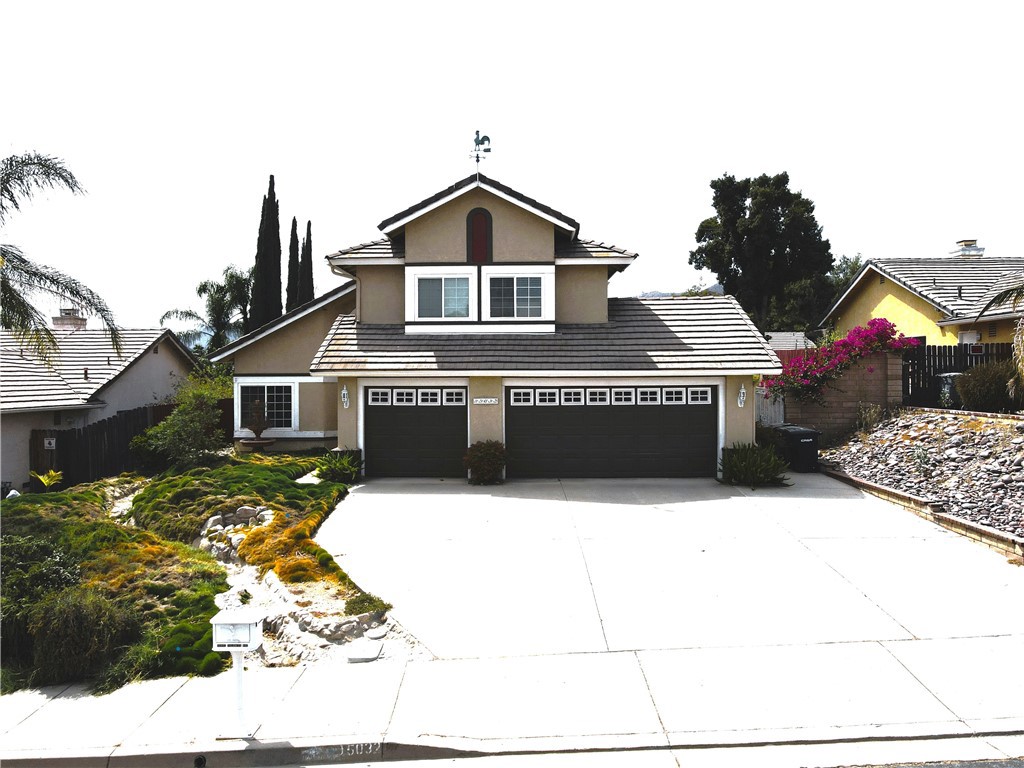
<point x="238" y="631"/>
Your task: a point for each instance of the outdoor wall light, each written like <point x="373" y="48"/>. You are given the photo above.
<point x="344" y="396"/>
<point x="742" y="397"/>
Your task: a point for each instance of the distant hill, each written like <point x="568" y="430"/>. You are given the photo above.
<point x="697" y="290"/>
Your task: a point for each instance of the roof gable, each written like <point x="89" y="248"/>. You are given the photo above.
<point x="395" y="223"/>
<point x="954" y="285"/>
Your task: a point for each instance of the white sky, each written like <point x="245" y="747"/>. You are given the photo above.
<point x="900" y="120"/>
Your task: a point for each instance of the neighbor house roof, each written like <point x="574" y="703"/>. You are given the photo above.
<point x="228" y="350"/>
<point x="477" y="181"/>
<point x="702" y="335"/>
<point x="955" y="285"/>
<point x="84" y="366"/>
<point x="787" y="340"/>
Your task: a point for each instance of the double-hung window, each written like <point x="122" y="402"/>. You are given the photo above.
<point x="516" y="297"/>
<point x="442" y="297"/>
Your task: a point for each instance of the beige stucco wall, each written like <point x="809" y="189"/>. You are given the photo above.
<point x="381" y="294"/>
<point x="152" y="378"/>
<point x="739" y="422"/>
<point x="290" y="350"/>
<point x="485" y="421"/>
<point x="348" y="418"/>
<point x="318" y="403"/>
<point x="581" y="294"/>
<point x="440" y="235"/>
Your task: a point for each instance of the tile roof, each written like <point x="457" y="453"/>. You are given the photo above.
<point x="702" y="334"/>
<point x="482" y="181"/>
<point x="227" y="350"/>
<point x="954" y="284"/>
<point x="383" y="248"/>
<point x="789" y="340"/>
<point x="577" y="249"/>
<point x="28" y="384"/>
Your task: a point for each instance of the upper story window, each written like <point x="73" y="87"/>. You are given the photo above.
<point x="516" y="297"/>
<point x="478" y="237"/>
<point x="442" y="297"/>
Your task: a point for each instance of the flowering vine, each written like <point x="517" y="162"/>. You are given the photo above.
<point x="805" y="376"/>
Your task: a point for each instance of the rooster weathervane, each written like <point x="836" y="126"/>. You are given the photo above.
<point x="480" y="144"/>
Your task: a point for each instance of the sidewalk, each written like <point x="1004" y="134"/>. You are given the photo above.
<point x="855" y="697"/>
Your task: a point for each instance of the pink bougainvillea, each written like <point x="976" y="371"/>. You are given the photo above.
<point x="805" y="377"/>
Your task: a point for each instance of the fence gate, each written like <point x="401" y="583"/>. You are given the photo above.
<point x="923" y="364"/>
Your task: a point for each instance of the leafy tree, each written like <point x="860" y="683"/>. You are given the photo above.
<point x="765" y="245"/>
<point x="21" y="176"/>
<point x="1014" y="295"/>
<point x="306" y="292"/>
<point x="292" y="291"/>
<point x="266" y="277"/>
<point x="224" y="318"/>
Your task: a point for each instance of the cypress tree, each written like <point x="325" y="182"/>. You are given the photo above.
<point x="266" y="278"/>
<point x="305" y="288"/>
<point x="292" y="294"/>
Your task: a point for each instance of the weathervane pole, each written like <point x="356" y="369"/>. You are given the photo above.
<point x="478" y="147"/>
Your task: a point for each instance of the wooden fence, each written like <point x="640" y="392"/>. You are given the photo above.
<point x="101" y="449"/>
<point x="923" y="364"/>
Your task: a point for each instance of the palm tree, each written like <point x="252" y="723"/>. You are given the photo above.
<point x="21" y="176"/>
<point x="227" y="308"/>
<point x="1013" y="295"/>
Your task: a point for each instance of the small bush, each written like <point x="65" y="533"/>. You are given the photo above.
<point x="184" y="439"/>
<point x="342" y="466"/>
<point x="78" y="632"/>
<point x="485" y="461"/>
<point x="753" y="465"/>
<point x="365" y="603"/>
<point x="985" y="388"/>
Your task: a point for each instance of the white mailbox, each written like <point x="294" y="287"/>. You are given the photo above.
<point x="237" y="630"/>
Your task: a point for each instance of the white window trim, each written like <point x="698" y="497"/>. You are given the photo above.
<point x="692" y="396"/>
<point x="412" y="296"/>
<point x="420" y="393"/>
<point x="680" y="401"/>
<point x="546" y="272"/>
<point x="521" y="397"/>
<point x="630" y="390"/>
<point x="599" y="391"/>
<point x="647" y="390"/>
<point x="241" y="432"/>
<point x="386" y="391"/>
<point x="459" y="400"/>
<point x="547" y="391"/>
<point x="394" y="396"/>
<point x="582" y="393"/>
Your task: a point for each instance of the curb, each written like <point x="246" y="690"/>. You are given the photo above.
<point x="932" y="510"/>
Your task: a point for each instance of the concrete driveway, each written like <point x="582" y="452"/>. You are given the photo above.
<point x="582" y="566"/>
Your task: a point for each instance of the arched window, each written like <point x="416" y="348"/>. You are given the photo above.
<point x="478" y="236"/>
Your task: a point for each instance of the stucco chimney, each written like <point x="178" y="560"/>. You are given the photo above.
<point x="967" y="248"/>
<point x="69" y="319"/>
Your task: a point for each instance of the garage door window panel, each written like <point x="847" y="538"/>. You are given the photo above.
<point x="547" y="397"/>
<point x="597" y="397"/>
<point x="699" y="396"/>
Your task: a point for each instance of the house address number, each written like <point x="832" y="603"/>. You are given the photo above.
<point x="485" y="401"/>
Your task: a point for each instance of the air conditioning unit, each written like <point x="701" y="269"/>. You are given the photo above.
<point x="968" y="337"/>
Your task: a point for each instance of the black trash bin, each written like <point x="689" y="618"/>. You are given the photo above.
<point x="799" y="447"/>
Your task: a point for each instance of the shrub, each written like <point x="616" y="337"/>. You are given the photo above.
<point x="365" y="603"/>
<point x="985" y="388"/>
<point x="753" y="465"/>
<point x="76" y="633"/>
<point x="340" y="466"/>
<point x="485" y="461"/>
<point x="805" y="376"/>
<point x="184" y="439"/>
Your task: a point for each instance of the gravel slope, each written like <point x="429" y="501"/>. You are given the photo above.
<point x="973" y="465"/>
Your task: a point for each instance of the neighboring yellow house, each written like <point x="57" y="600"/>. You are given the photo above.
<point x="936" y="298"/>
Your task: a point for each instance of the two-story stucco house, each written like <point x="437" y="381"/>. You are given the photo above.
<point x="482" y="315"/>
<point x="936" y="298"/>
